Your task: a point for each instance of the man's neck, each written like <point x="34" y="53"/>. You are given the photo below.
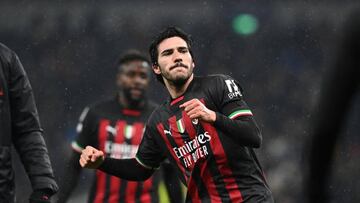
<point x="176" y="91"/>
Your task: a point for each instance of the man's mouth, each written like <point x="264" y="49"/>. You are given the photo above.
<point x="136" y="91"/>
<point x="178" y="65"/>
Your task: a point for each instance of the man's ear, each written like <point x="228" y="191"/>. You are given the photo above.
<point x="156" y="69"/>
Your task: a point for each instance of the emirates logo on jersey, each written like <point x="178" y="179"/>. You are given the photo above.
<point x="193" y="150"/>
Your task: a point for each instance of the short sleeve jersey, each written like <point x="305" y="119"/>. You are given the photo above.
<point x="211" y="164"/>
<point x="117" y="131"/>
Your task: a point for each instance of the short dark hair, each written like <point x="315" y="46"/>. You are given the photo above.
<point x="167" y="33"/>
<point x="129" y="56"/>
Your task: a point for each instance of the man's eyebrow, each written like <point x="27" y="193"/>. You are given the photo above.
<point x="182" y="48"/>
<point x="166" y="50"/>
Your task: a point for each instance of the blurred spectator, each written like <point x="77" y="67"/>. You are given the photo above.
<point x="337" y="94"/>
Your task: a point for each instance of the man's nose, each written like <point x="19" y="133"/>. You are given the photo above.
<point x="177" y="57"/>
<point x="177" y="60"/>
<point x="139" y="80"/>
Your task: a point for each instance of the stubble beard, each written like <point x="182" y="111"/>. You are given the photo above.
<point x="132" y="101"/>
<point x="178" y="81"/>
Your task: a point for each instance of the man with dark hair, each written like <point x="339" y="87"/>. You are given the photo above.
<point x="205" y="128"/>
<point x="20" y="126"/>
<point x="116" y="127"/>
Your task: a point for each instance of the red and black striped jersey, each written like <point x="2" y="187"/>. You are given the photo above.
<point x="213" y="164"/>
<point x="116" y="131"/>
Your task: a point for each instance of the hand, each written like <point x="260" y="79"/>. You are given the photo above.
<point x="195" y="109"/>
<point x="91" y="158"/>
<point x="41" y="196"/>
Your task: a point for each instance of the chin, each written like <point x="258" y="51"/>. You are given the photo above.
<point x="136" y="99"/>
<point x="180" y="81"/>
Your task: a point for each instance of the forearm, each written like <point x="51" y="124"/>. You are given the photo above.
<point x="128" y="169"/>
<point x="34" y="156"/>
<point x="242" y="130"/>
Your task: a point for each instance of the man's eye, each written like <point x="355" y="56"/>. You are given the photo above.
<point x="183" y="50"/>
<point x="167" y="53"/>
<point x="143" y="76"/>
<point x="130" y="74"/>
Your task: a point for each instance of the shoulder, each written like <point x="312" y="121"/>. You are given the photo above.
<point x="6" y="53"/>
<point x="214" y="79"/>
<point x="219" y="77"/>
<point x="101" y="103"/>
<point x="4" y="49"/>
<point x="218" y="82"/>
<point x="155" y="116"/>
<point x="152" y="105"/>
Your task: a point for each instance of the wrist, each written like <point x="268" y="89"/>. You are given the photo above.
<point x="41" y="195"/>
<point x="102" y="164"/>
<point x="212" y="116"/>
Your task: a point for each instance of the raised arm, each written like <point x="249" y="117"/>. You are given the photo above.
<point x="231" y="115"/>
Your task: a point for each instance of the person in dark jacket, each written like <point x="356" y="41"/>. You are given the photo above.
<point x="20" y="127"/>
<point x="338" y="92"/>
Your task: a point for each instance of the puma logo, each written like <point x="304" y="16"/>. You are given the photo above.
<point x="167" y="132"/>
<point x="111" y="130"/>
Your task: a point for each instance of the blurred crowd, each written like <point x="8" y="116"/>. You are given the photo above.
<point x="69" y="48"/>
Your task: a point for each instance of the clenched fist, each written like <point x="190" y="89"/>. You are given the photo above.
<point x="91" y="158"/>
<point x="195" y="109"/>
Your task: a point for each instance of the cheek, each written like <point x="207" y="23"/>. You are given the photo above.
<point x="163" y="62"/>
<point x="123" y="81"/>
<point x="119" y="81"/>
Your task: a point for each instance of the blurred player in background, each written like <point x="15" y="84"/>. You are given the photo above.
<point x="116" y="127"/>
<point x="20" y="126"/>
<point x="205" y="128"/>
<point x="337" y="93"/>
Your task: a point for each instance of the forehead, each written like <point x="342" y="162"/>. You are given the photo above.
<point x="136" y="65"/>
<point x="171" y="43"/>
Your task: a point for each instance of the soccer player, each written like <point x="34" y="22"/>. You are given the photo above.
<point x="205" y="128"/>
<point x="116" y="127"/>
<point x="20" y="127"/>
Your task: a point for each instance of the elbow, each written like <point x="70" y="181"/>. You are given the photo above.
<point x="257" y="142"/>
<point x="143" y="174"/>
<point x="257" y="139"/>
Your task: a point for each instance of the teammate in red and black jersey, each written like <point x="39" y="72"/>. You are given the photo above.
<point x="116" y="127"/>
<point x="206" y="129"/>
